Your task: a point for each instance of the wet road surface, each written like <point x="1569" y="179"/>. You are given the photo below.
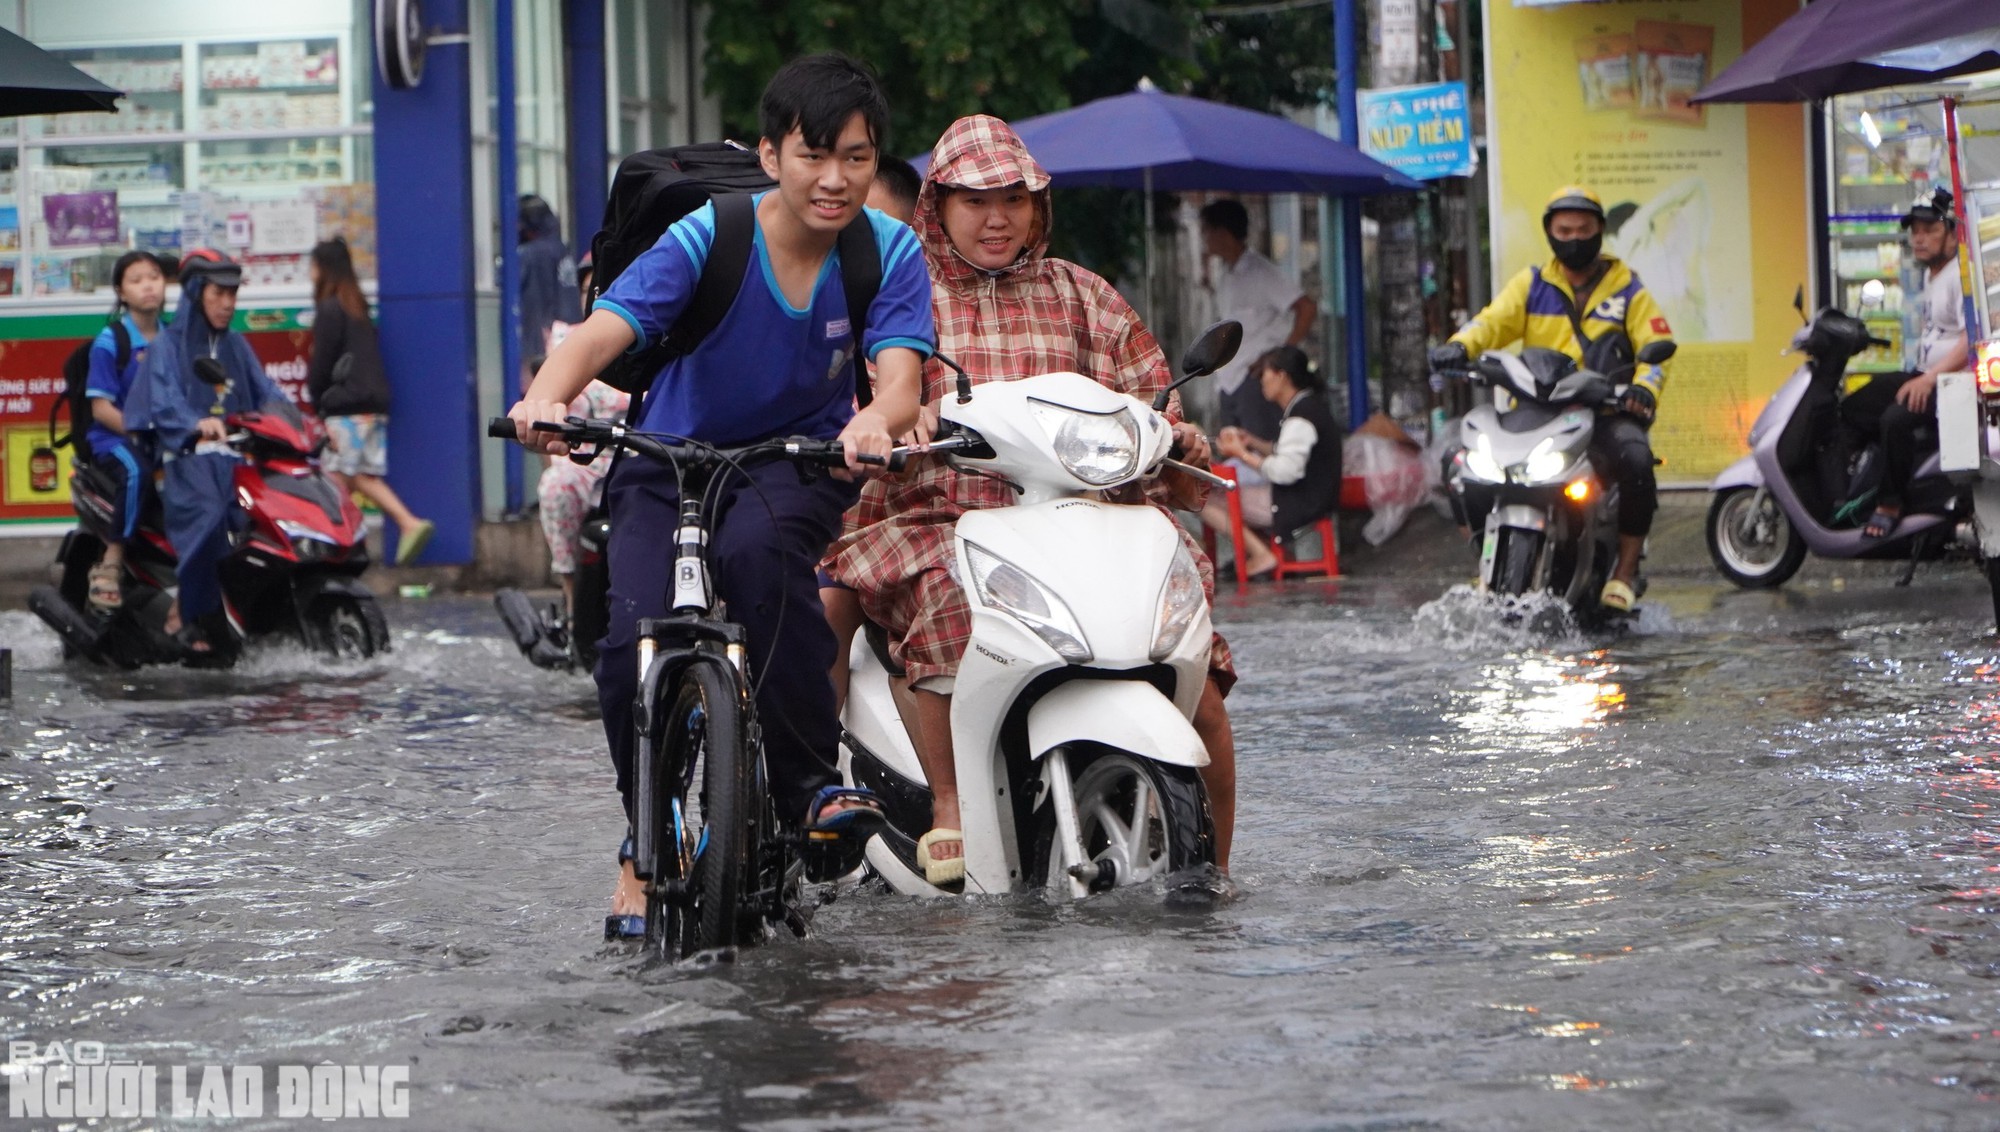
<point x="1737" y="868"/>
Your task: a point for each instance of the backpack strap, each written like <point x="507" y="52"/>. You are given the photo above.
<point x="721" y="274"/>
<point x="121" y="345"/>
<point x="861" y="278"/>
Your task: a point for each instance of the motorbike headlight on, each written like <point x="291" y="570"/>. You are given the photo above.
<point x="1544" y="463"/>
<point x="1180" y="600"/>
<point x="1001" y="585"/>
<point x="1480" y="464"/>
<point x="310" y="545"/>
<point x="1098" y="448"/>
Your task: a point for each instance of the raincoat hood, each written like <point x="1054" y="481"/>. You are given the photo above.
<point x="979" y="152"/>
<point x="170" y="397"/>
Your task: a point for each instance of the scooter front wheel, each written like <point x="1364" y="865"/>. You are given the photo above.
<point x="1751" y="541"/>
<point x="1137" y="821"/>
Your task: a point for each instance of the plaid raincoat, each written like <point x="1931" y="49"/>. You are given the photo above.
<point x="1041" y="315"/>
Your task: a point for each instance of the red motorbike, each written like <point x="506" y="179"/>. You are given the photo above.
<point x="297" y="551"/>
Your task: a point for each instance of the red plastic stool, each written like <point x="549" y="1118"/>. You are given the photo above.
<point x="1353" y="496"/>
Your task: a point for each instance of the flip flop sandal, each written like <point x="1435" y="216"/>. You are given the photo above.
<point x="834" y="844"/>
<point x="941" y="871"/>
<point x="1617" y="596"/>
<point x="1882" y="523"/>
<point x="413" y="543"/>
<point x="629" y="927"/>
<point x="105" y="591"/>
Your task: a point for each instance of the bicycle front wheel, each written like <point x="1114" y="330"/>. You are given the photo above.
<point x="702" y="789"/>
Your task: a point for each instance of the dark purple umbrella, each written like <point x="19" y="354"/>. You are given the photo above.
<point x="1841" y="46"/>
<point x="1169" y="142"/>
<point x="32" y="81"/>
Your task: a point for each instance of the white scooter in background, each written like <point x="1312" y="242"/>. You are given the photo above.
<point x="1078" y="764"/>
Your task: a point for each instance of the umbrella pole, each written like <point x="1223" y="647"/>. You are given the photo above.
<point x="1152" y="323"/>
<point x="1968" y="257"/>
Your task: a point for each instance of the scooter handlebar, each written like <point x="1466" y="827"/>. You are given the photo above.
<point x="500" y="428"/>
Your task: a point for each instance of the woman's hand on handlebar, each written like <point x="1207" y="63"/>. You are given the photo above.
<point x="1192" y="444"/>
<point x="525" y="413"/>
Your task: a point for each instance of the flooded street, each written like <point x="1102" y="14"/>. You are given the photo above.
<point x="1737" y="868"/>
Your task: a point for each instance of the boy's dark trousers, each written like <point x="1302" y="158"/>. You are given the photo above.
<point x="765" y="542"/>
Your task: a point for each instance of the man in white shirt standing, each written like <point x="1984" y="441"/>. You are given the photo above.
<point x="1274" y="312"/>
<point x="1899" y="408"/>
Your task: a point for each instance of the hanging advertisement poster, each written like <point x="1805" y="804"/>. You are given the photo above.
<point x="1708" y="204"/>
<point x="1422" y="131"/>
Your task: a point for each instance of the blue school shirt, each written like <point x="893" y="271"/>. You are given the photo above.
<point x="111" y="383"/>
<point x="768" y="368"/>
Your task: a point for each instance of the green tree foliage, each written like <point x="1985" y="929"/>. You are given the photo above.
<point x="940" y="60"/>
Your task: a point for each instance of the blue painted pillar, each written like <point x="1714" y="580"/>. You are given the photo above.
<point x="1354" y="328"/>
<point x="424" y="252"/>
<point x="589" y="137"/>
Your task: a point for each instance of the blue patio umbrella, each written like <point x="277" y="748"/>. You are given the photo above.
<point x="1154" y="141"/>
<point x="1843" y="46"/>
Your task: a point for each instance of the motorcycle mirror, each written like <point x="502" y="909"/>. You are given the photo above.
<point x="964" y="379"/>
<point x="1209" y="353"/>
<point x="1654" y="353"/>
<point x="1799" y="301"/>
<point x="211" y="371"/>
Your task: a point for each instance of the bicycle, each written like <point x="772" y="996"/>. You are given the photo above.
<point x="716" y="862"/>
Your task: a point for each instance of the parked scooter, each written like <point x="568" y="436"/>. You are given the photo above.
<point x="293" y="568"/>
<point x="1801" y="489"/>
<point x="1523" y="482"/>
<point x="1077" y="762"/>
<point x="551" y="636"/>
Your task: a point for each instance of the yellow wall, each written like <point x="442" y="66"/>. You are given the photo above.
<point x="1596" y="94"/>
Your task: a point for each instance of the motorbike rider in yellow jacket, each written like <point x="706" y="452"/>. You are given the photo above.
<point x="1592" y="307"/>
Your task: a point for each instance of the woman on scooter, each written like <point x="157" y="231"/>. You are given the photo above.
<point x="183" y="412"/>
<point x="1005" y="309"/>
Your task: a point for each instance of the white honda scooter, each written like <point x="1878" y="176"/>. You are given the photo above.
<point x="1078" y="764"/>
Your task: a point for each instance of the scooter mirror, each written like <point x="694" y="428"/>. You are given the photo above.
<point x="1209" y="353"/>
<point x="1654" y="353"/>
<point x="211" y="371"/>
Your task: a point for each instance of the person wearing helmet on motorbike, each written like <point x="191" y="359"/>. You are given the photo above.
<point x="1592" y="307"/>
<point x="1005" y="309"/>
<point x="1897" y="408"/>
<point x="181" y="412"/>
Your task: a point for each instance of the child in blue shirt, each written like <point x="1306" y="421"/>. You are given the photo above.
<point x="141" y="288"/>
<point x="780" y="363"/>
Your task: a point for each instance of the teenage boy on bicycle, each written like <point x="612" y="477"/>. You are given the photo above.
<point x="780" y="363"/>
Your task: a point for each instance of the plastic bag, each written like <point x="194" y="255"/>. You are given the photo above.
<point x="1392" y="473"/>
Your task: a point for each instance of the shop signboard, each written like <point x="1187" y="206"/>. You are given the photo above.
<point x="1708" y="204"/>
<point x="1424" y="131"/>
<point x="34" y="475"/>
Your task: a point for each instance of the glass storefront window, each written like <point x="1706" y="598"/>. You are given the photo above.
<point x="272" y="85"/>
<point x="151" y="78"/>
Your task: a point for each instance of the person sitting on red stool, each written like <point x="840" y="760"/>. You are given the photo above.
<point x="1302" y="465"/>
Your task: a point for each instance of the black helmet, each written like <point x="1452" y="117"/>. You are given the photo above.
<point x="1931" y="205"/>
<point x="214" y="266"/>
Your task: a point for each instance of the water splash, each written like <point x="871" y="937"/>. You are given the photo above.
<point x="35" y="645"/>
<point x="1467" y="619"/>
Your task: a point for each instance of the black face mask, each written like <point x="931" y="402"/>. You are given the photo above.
<point x="1577" y="254"/>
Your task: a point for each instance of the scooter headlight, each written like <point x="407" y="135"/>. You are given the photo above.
<point x="1544" y="463"/>
<point x="1100" y="449"/>
<point x="1180" y="600"/>
<point x="310" y="545"/>
<point x="1001" y="585"/>
<point x="1480" y="464"/>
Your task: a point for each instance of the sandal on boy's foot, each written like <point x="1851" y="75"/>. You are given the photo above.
<point x="1882" y="523"/>
<point x="834" y="843"/>
<point x="941" y="871"/>
<point x="413" y="541"/>
<point x="105" y="592"/>
<point x="629" y="926"/>
<point x="1617" y="596"/>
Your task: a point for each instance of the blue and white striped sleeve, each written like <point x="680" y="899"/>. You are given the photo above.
<point x="651" y="293"/>
<point x="901" y="315"/>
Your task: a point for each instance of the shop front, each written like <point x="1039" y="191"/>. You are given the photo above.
<point x="245" y="128"/>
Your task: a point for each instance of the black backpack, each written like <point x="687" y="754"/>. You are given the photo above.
<point x="76" y="380"/>
<point x="655" y="187"/>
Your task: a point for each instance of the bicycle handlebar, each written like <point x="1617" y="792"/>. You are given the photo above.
<point x="804" y="450"/>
